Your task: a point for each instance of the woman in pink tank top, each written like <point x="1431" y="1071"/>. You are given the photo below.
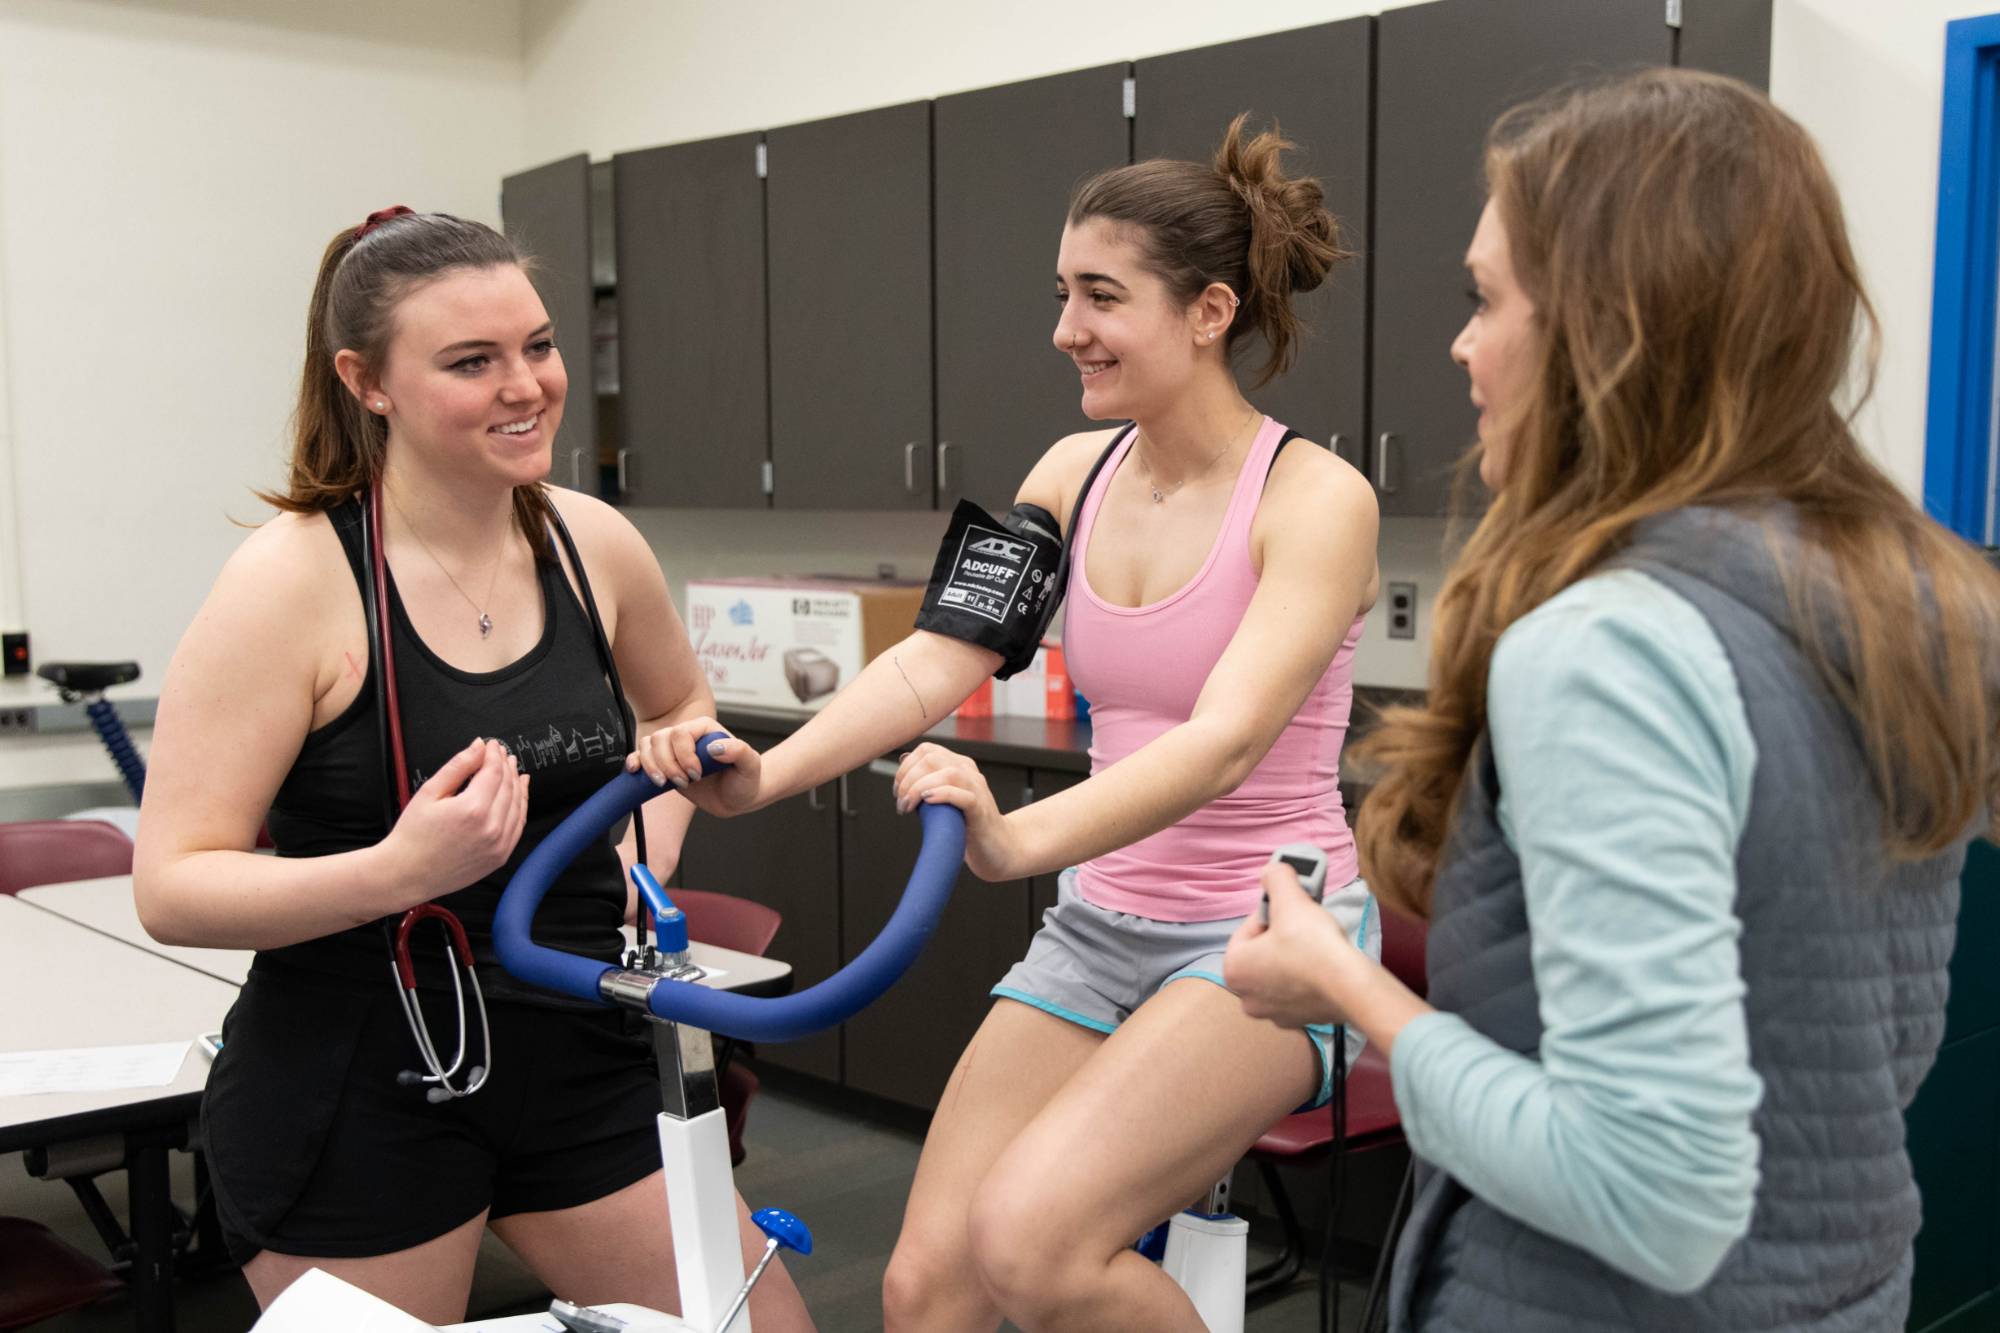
<point x="1217" y="587"/>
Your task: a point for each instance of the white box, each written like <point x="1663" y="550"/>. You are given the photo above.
<point x="793" y="642"/>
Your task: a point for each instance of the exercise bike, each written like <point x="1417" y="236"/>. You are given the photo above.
<point x="1204" y="1249"/>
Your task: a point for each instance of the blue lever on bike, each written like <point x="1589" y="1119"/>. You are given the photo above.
<point x="784" y="1228"/>
<point x="670" y="923"/>
<point x="782" y="1018"/>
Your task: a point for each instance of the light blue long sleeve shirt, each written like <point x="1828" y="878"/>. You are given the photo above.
<point x="1625" y="761"/>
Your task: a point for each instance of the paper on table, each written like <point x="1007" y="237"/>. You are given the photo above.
<point x="321" y="1303"/>
<point x="91" y="1068"/>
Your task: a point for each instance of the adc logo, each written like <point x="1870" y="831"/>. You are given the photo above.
<point x="999" y="546"/>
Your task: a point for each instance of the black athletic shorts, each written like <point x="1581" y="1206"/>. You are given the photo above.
<point x="315" y="1150"/>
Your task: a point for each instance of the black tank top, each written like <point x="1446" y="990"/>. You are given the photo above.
<point x="554" y="709"/>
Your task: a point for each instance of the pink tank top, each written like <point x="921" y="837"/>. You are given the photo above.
<point x="1143" y="667"/>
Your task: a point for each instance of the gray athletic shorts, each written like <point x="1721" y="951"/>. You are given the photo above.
<point x="1093" y="967"/>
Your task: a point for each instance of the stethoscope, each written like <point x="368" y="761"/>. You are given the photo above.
<point x="442" y="1082"/>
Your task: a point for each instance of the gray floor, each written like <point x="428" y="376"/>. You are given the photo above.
<point x="845" y="1177"/>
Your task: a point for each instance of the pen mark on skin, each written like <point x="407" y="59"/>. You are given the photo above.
<point x="921" y="707"/>
<point x="353" y="666"/>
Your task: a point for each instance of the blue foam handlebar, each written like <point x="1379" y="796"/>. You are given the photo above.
<point x="782" y="1018"/>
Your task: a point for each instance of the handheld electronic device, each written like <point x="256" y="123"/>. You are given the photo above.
<point x="583" y="1319"/>
<point x="1308" y="863"/>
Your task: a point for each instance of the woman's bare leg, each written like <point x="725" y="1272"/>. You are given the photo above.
<point x="1015" y="1062"/>
<point x="621" y="1248"/>
<point x="430" y="1281"/>
<point x="1163" y="1110"/>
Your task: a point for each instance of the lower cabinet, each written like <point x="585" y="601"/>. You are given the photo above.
<point x="905" y="1045"/>
<point x="787" y="857"/>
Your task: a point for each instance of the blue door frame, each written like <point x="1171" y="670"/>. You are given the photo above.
<point x="1958" y="455"/>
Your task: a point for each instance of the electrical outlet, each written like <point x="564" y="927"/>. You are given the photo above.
<point x="17" y="719"/>
<point x="1402" y="610"/>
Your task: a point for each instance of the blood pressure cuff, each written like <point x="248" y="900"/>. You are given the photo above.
<point x="997" y="582"/>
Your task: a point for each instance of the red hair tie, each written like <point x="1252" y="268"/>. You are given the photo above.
<point x="380" y="216"/>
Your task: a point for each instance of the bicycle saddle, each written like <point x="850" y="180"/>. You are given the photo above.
<point x="87" y="677"/>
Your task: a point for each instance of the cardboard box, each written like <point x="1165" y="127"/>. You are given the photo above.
<point x="793" y="642"/>
<point x="1043" y="689"/>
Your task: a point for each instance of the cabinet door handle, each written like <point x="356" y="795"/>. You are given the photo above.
<point x="944" y="466"/>
<point x="1343" y="448"/>
<point x="813" y="802"/>
<point x="846" y="806"/>
<point x="1387" y="475"/>
<point x="576" y="469"/>
<point x="910" y="467"/>
<point x="624" y="464"/>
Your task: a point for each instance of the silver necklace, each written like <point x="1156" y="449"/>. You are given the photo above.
<point x="1152" y="483"/>
<point x="485" y="621"/>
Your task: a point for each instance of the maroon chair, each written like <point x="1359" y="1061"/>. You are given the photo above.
<point x="41" y="1276"/>
<point x="1372" y="1121"/>
<point x="726" y="922"/>
<point x="747" y="927"/>
<point x="49" y="851"/>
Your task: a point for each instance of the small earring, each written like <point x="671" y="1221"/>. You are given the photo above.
<point x="381" y="406"/>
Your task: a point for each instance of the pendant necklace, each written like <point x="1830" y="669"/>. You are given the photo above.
<point x="1152" y="484"/>
<point x="485" y="621"/>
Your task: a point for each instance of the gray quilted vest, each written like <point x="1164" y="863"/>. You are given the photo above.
<point x="1844" y="955"/>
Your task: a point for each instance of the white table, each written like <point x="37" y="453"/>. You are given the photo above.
<point x="106" y="906"/>
<point x="77" y="969"/>
<point x="62" y="985"/>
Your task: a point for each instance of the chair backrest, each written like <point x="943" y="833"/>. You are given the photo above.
<point x="730" y="923"/>
<point x="1403" y="948"/>
<point x="50" y="851"/>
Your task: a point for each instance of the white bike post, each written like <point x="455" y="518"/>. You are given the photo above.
<point x="1208" y="1255"/>
<point x="701" y="1193"/>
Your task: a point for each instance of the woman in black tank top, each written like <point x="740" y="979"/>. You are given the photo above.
<point x="432" y="379"/>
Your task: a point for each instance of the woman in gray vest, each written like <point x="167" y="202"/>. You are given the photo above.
<point x="1711" y="720"/>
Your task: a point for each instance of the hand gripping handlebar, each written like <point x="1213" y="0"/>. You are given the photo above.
<point x="783" y="1018"/>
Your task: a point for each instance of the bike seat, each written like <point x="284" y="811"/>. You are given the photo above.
<point x="87" y="677"/>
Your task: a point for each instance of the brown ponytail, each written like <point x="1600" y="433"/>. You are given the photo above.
<point x="338" y="445"/>
<point x="1239" y="221"/>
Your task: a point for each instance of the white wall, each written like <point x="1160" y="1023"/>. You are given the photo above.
<point x="1867" y="79"/>
<point x="608" y="75"/>
<point x="169" y="173"/>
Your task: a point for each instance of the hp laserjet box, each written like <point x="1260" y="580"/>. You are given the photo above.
<point x="793" y="642"/>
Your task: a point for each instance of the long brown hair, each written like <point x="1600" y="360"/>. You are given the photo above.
<point x="1238" y="220"/>
<point x="1696" y="304"/>
<point x="338" y="446"/>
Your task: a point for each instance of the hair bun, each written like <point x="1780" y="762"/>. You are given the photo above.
<point x="1294" y="241"/>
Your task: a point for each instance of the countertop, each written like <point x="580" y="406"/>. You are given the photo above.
<point x="1060" y="744"/>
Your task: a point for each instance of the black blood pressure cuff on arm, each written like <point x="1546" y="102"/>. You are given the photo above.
<point x="996" y="582"/>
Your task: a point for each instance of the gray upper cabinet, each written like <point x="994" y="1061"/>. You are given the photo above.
<point x="1006" y="162"/>
<point x="1730" y="37"/>
<point x="691" y="324"/>
<point x="1314" y="82"/>
<point x="546" y="212"/>
<point x="849" y="211"/>
<point x="1444" y="71"/>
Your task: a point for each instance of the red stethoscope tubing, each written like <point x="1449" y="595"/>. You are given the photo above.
<point x="439" y="1076"/>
